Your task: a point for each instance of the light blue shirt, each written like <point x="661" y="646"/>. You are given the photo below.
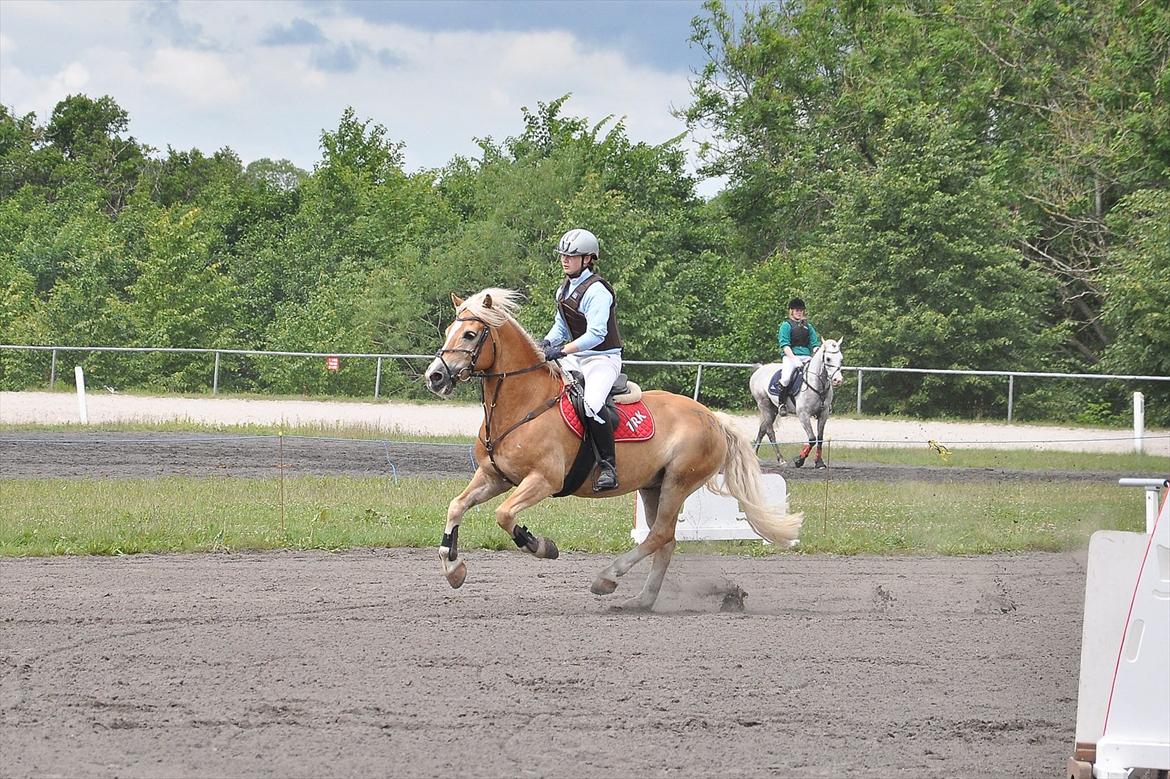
<point x="595" y="306"/>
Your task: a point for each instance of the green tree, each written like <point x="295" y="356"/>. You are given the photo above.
<point x="921" y="269"/>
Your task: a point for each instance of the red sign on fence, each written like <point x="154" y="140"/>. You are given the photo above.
<point x="333" y="364"/>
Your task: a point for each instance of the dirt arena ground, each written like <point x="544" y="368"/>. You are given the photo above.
<point x="366" y="664"/>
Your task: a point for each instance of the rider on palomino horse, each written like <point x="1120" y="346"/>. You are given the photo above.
<point x="586" y="317"/>
<point x="798" y="339"/>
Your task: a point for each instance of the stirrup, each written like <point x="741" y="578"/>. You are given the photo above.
<point x="606" y="479"/>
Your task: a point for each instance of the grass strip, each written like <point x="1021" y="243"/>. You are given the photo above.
<point x="184" y="514"/>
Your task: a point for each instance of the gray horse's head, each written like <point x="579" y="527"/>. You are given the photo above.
<point x="831" y="351"/>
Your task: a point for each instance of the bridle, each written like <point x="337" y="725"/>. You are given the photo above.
<point x="823" y="378"/>
<point x="472" y="372"/>
<point x="468" y="371"/>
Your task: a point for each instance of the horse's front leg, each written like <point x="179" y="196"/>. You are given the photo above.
<point x="532" y="490"/>
<point x="804" y="450"/>
<point x="483" y="486"/>
<point x="821" y="419"/>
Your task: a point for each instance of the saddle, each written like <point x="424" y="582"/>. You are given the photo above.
<point x="775" y="388"/>
<point x="627" y="415"/>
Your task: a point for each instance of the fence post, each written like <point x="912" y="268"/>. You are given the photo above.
<point x="1011" y="391"/>
<point x="53" y="370"/>
<point x="215" y="377"/>
<point x="859" y="372"/>
<point x="698" y="381"/>
<point x="378" y="379"/>
<point x="1139" y="421"/>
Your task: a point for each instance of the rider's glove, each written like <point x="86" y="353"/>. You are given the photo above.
<point x="544" y="344"/>
<point x="553" y="352"/>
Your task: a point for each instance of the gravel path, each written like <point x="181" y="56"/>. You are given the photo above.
<point x="464" y="419"/>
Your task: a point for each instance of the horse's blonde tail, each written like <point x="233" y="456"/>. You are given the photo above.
<point x="741" y="480"/>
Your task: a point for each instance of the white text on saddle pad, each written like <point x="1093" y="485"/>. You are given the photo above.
<point x="635" y="421"/>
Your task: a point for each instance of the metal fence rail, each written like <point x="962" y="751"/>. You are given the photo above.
<point x="699" y="365"/>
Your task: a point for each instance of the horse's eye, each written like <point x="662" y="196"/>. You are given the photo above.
<point x="469" y="335"/>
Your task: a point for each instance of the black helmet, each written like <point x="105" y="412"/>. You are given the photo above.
<point x="796" y="303"/>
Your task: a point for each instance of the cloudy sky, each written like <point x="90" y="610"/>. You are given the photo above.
<point x="265" y="78"/>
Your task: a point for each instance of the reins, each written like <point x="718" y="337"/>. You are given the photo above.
<point x="469" y="373"/>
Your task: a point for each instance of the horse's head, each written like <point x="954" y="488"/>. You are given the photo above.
<point x="462" y="352"/>
<point x="831" y="351"/>
<point x="471" y="344"/>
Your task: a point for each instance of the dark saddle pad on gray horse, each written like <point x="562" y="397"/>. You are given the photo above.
<point x="793" y="387"/>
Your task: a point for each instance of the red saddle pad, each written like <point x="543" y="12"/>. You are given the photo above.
<point x="634" y="420"/>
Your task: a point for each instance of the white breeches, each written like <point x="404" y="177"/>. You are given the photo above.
<point x="600" y="372"/>
<point x="789" y="365"/>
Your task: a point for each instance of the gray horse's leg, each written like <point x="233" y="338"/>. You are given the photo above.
<point x="803" y="413"/>
<point x="821" y="419"/>
<point x="767" y="427"/>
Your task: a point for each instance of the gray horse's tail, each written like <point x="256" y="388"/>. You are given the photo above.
<point x="741" y="480"/>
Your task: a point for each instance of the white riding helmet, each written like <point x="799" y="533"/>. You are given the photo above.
<point x="576" y="243"/>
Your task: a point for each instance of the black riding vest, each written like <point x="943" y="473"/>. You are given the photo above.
<point x="798" y="335"/>
<point x="570" y="307"/>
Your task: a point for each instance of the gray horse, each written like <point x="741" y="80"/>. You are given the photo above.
<point x="813" y="399"/>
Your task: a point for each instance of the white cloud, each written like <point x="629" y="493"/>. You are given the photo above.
<point x="201" y="77"/>
<point x="436" y="91"/>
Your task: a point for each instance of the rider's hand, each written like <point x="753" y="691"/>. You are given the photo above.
<point x="553" y="352"/>
<point x="544" y="344"/>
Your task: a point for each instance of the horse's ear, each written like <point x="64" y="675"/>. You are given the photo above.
<point x="456" y="300"/>
<point x="839" y="342"/>
<point x="487" y="301"/>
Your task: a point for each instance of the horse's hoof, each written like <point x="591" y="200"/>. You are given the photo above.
<point x="456" y="574"/>
<point x="633" y="605"/>
<point x="547" y="550"/>
<point x="819" y="464"/>
<point x="602" y="586"/>
<point x="799" y="461"/>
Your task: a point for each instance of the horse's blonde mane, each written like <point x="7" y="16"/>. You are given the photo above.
<point x="504" y="304"/>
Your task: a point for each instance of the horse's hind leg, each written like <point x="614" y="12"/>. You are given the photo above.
<point x="767" y="427"/>
<point x="775" y="446"/>
<point x="658" y="562"/>
<point x="661" y="534"/>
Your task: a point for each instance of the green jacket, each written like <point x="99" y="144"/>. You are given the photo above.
<point x="785" y="339"/>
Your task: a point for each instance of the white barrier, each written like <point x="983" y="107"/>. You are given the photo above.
<point x="1139" y="421"/>
<point x="79" y="375"/>
<point x="1123" y="701"/>
<point x="706" y="516"/>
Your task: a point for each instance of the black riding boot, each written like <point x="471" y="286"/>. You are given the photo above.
<point x="783" y="395"/>
<point x="602" y="434"/>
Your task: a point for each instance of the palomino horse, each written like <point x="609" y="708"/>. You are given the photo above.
<point x="813" y="399"/>
<point x="520" y="445"/>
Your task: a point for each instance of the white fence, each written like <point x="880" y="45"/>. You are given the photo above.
<point x="698" y="365"/>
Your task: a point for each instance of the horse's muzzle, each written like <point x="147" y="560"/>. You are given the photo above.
<point x="439" y="379"/>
